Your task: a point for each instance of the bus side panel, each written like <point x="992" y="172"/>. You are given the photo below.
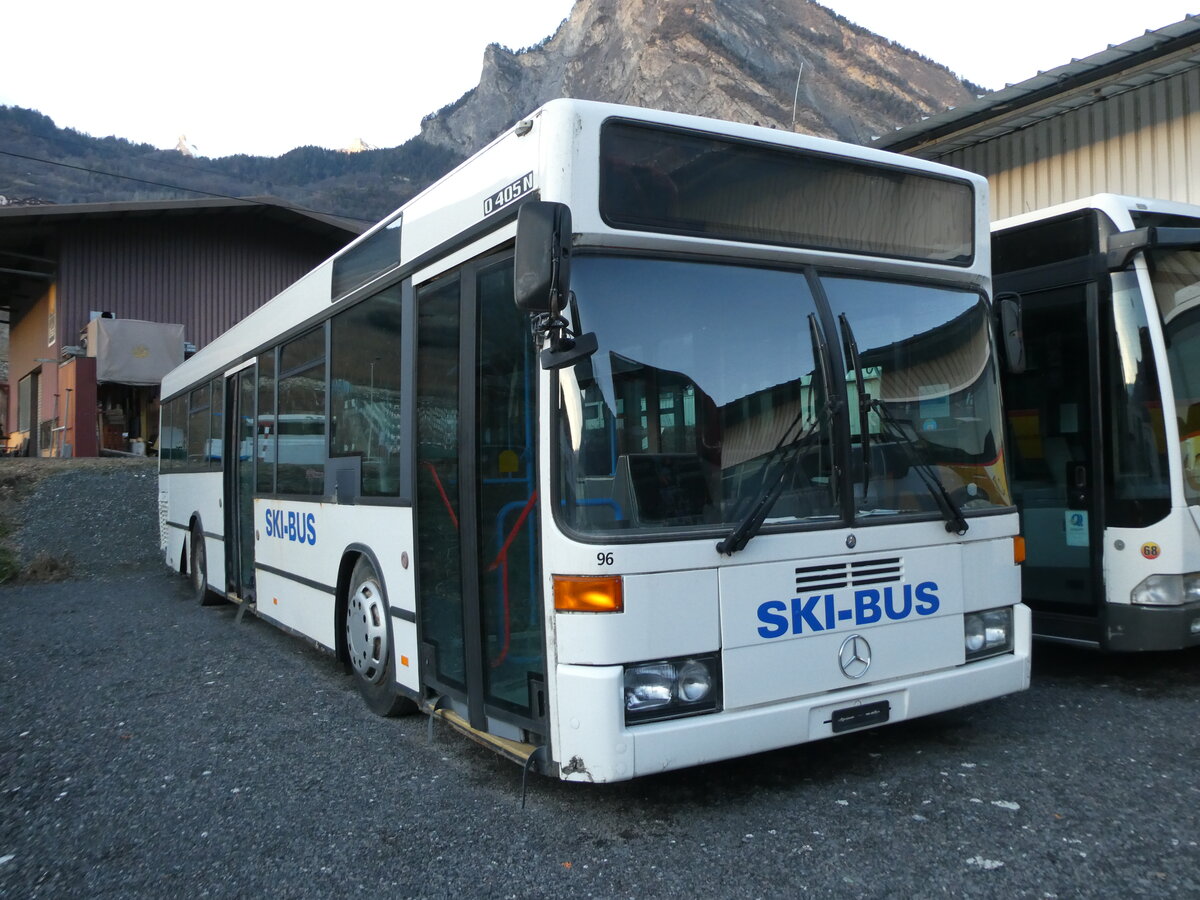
<point x="1167" y="547"/>
<point x="305" y="543"/>
<point x="295" y="606"/>
<point x="172" y="532"/>
<point x="1001" y="587"/>
<point x="197" y="493"/>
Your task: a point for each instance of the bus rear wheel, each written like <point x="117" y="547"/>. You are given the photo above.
<point x="198" y="568"/>
<point x="369" y="644"/>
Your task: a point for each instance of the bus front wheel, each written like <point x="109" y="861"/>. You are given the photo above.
<point x="369" y="645"/>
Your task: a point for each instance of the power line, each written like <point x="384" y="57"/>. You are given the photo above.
<point x="173" y="187"/>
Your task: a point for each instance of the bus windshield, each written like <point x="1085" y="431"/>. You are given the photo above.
<point x="715" y="383"/>
<point x="1176" y="278"/>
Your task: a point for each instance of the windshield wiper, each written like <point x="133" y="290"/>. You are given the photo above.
<point x="864" y="400"/>
<point x="788" y="452"/>
<point x="955" y="523"/>
<point x="789" y="456"/>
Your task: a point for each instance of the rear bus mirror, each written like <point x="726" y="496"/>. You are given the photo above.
<point x="542" y="262"/>
<point x="1120" y="248"/>
<point x="1012" y="339"/>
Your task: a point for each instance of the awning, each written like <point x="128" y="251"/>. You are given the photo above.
<point x="129" y="351"/>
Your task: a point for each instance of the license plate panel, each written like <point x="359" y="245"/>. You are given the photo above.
<point x="862" y="716"/>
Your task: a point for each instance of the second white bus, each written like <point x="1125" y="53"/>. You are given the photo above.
<point x="1104" y="420"/>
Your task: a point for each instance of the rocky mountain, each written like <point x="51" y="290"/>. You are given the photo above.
<point x="42" y="163"/>
<point x="789" y="64"/>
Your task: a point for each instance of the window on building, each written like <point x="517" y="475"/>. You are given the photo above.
<point x="26" y="394"/>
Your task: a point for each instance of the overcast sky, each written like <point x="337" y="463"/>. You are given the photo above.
<point x="263" y="77"/>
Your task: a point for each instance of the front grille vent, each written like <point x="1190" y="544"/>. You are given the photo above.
<point x="810" y="579"/>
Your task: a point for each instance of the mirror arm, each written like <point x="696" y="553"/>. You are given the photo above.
<point x="1123" y="246"/>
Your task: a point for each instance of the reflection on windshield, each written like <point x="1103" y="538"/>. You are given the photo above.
<point x="701" y="373"/>
<point x="933" y="397"/>
<point x="706" y="374"/>
<point x="1176" y="278"/>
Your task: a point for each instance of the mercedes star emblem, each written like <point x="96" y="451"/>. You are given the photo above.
<point x="855" y="656"/>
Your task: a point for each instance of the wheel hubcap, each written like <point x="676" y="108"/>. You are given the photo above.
<point x="366" y="631"/>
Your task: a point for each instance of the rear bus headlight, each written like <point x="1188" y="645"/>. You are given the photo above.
<point x="670" y="688"/>
<point x="988" y="633"/>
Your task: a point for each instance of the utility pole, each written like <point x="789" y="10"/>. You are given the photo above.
<point x="796" y="96"/>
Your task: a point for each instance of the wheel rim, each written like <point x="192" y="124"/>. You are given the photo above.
<point x="366" y="631"/>
<point x="198" y="562"/>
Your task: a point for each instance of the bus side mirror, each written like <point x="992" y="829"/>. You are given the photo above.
<point x="542" y="262"/>
<point x="1012" y="338"/>
<point x="542" y="280"/>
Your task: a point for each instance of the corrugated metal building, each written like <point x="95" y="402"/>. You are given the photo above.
<point x="1125" y="120"/>
<point x="202" y="264"/>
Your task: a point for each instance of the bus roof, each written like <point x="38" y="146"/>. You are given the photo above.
<point x="1115" y="206"/>
<point x="481" y="194"/>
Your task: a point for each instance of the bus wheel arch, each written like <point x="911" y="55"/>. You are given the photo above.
<point x="364" y="634"/>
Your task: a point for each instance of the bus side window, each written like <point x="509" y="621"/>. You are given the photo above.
<point x="266" y="431"/>
<point x="198" y="423"/>
<point x="216" y="430"/>
<point x="364" y="401"/>
<point x="300" y="442"/>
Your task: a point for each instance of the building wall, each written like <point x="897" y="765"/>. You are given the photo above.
<point x="28" y="343"/>
<point x="1144" y="142"/>
<point x="206" y="272"/>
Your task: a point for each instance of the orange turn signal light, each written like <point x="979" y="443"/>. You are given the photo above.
<point x="588" y="593"/>
<point x="1018" y="549"/>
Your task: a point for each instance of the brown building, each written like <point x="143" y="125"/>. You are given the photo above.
<point x="103" y="298"/>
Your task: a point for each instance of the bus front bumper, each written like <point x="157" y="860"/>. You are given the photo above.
<point x="1131" y="627"/>
<point x="594" y="744"/>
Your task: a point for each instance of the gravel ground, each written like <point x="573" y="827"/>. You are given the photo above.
<point x="150" y="747"/>
<point x="91" y="517"/>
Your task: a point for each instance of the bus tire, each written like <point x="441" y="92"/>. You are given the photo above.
<point x="368" y="631"/>
<point x="198" y="567"/>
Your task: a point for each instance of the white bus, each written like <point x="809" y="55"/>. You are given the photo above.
<point x="1104" y="422"/>
<point x="649" y="440"/>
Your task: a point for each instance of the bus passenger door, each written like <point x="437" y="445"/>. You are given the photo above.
<point x="478" y="566"/>
<point x="1051" y="418"/>
<point x="239" y="483"/>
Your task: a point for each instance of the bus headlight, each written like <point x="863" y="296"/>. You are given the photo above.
<point x="1167" y="590"/>
<point x="670" y="688"/>
<point x="988" y="633"/>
